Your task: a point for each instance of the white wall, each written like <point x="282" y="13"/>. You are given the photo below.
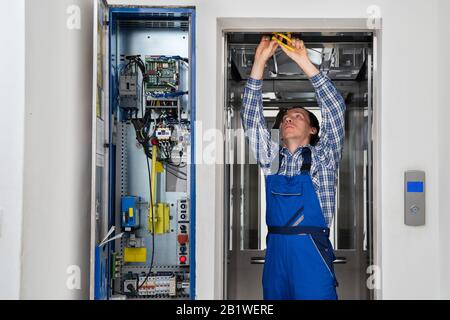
<point x="57" y="140"/>
<point x="444" y="145"/>
<point x="56" y="222"/>
<point x="410" y="99"/>
<point x="409" y="103"/>
<point x="12" y="106"/>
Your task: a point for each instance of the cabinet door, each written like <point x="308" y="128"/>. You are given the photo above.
<point x="100" y="154"/>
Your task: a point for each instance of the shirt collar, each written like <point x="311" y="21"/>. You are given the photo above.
<point x="285" y="151"/>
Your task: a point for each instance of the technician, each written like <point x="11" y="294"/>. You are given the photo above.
<point x="300" y="192"/>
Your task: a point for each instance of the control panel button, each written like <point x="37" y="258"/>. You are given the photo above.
<point x="414" y="209"/>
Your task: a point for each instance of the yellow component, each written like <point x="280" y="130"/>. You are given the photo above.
<point x="152" y="220"/>
<point x="164" y="208"/>
<point x="162" y="219"/>
<point x="130" y="212"/>
<point x="135" y="255"/>
<point x="158" y="221"/>
<point x="153" y="186"/>
<point x="159" y="167"/>
<point x="285" y="40"/>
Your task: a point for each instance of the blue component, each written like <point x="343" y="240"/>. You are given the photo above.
<point x="129" y="206"/>
<point x="414" y="186"/>
<point x="168" y="95"/>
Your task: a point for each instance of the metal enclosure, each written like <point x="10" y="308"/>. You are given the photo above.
<point x="136" y="230"/>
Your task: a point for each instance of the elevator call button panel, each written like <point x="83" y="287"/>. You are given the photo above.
<point x="414" y="190"/>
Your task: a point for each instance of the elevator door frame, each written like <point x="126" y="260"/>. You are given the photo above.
<point x="226" y="25"/>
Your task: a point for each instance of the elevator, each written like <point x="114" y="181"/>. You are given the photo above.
<point x="347" y="58"/>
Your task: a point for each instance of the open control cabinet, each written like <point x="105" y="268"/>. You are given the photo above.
<point x="143" y="173"/>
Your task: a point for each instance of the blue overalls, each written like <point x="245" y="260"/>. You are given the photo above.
<point x="299" y="256"/>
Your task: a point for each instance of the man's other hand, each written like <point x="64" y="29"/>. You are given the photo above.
<point x="300" y="55"/>
<point x="264" y="52"/>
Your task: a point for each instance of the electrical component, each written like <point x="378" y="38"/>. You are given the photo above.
<point x="130" y="212"/>
<point x="183" y="232"/>
<point x="154" y="285"/>
<point x="153" y="102"/>
<point x="163" y="133"/>
<point x="181" y="134"/>
<point x="130" y="97"/>
<point x="135" y="242"/>
<point x="185" y="284"/>
<point x="161" y="220"/>
<point x="116" y="265"/>
<point x="162" y="87"/>
<point x="162" y="74"/>
<point x="127" y="85"/>
<point x="135" y="254"/>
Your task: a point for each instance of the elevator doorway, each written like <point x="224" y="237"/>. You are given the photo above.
<point x="347" y="58"/>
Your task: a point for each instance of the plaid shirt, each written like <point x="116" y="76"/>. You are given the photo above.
<point x="325" y="155"/>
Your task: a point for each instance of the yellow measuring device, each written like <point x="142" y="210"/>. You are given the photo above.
<point x="283" y="39"/>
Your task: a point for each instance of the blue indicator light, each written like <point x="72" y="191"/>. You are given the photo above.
<point x="414" y="186"/>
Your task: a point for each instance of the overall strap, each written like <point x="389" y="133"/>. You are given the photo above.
<point x="280" y="158"/>
<point x="306" y="165"/>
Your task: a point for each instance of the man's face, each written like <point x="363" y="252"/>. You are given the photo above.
<point x="296" y="125"/>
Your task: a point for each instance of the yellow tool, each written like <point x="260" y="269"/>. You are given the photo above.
<point x="283" y="39"/>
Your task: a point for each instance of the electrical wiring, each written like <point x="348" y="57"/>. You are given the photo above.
<point x="177" y="167"/>
<point x="153" y="228"/>
<point x="144" y="135"/>
<point x="181" y="164"/>
<point x="175" y="173"/>
<point x="142" y="96"/>
<point x="157" y="111"/>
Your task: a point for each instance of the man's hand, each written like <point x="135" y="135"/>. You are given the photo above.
<point x="300" y="55"/>
<point x="264" y="51"/>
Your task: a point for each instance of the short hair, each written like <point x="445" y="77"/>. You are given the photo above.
<point x="314" y="139"/>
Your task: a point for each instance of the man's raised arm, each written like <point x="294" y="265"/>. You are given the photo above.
<point x="252" y="116"/>
<point x="331" y="104"/>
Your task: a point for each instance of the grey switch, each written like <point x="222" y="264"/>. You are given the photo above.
<point x="414" y="198"/>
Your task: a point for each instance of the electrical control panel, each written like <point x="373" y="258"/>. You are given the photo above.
<point x="149" y="214"/>
<point x="183" y="232"/>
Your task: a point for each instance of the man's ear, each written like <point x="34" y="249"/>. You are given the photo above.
<point x="313" y="130"/>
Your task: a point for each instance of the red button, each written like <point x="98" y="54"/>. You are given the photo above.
<point x="182" y="238"/>
<point x="182" y="259"/>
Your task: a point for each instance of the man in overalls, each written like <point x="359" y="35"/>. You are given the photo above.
<point x="300" y="193"/>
